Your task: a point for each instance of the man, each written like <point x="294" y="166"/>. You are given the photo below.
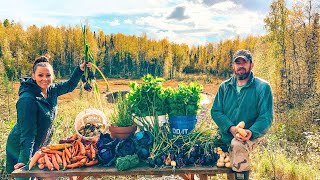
<point x="247" y="98"/>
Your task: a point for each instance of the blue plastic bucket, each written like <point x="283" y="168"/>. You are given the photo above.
<point x="182" y="124"/>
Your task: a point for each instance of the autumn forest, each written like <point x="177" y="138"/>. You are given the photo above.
<point x="288" y="56"/>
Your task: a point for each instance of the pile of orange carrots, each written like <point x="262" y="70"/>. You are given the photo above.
<point x="65" y="156"/>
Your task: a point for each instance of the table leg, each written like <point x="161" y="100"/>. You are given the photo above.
<point x="187" y="176"/>
<point x="231" y="176"/>
<point x="76" y="177"/>
<point x="203" y="177"/>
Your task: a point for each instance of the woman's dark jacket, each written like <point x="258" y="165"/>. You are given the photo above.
<point x="35" y="115"/>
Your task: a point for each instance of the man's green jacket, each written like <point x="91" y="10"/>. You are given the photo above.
<point x="253" y="105"/>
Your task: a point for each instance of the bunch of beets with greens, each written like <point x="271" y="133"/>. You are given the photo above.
<point x="193" y="149"/>
<point x="89" y="77"/>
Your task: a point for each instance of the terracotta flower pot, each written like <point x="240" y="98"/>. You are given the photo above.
<point x="121" y="132"/>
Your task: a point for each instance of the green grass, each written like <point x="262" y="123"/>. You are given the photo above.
<point x="275" y="158"/>
<point x="67" y="112"/>
<point x="275" y="164"/>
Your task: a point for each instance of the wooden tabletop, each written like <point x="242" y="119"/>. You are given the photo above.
<point x="112" y="171"/>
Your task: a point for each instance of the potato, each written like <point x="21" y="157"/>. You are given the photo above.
<point x="223" y="155"/>
<point x="220" y="164"/>
<point x="238" y="135"/>
<point x="221" y="159"/>
<point x="227" y="159"/>
<point x="241" y="124"/>
<point x="228" y="165"/>
<point x="242" y="132"/>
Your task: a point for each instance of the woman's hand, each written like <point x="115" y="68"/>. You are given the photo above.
<point x="18" y="165"/>
<point x="84" y="64"/>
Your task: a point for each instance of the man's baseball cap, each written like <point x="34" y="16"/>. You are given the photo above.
<point x="245" y="54"/>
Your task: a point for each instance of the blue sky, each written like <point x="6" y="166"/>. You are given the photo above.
<point x="192" y="22"/>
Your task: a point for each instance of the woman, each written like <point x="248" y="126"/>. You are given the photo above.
<point x="36" y="110"/>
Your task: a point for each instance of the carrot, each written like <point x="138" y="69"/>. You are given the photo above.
<point x="74" y="165"/>
<point x="79" y="138"/>
<point x="68" y="160"/>
<point x="41" y="160"/>
<point x="94" y="142"/>
<point x="76" y="147"/>
<point x="51" y="151"/>
<point x="44" y="148"/>
<point x="87" y="147"/>
<point x="93" y="152"/>
<point x="91" y="163"/>
<point x="77" y="158"/>
<point x="64" y="161"/>
<point x="78" y="164"/>
<point x="82" y="148"/>
<point x="48" y="162"/>
<point x="49" y="156"/>
<point x="59" y="146"/>
<point x="59" y="160"/>
<point x="83" y="161"/>
<point x="89" y="154"/>
<point x="70" y="151"/>
<point x="73" y="137"/>
<point x="41" y="166"/>
<point x="68" y="154"/>
<point x="34" y="159"/>
<point x="55" y="163"/>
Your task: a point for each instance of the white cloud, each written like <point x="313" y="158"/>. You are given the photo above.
<point x="224" y="6"/>
<point x="128" y="21"/>
<point x="225" y="19"/>
<point x="114" y="23"/>
<point x="222" y="19"/>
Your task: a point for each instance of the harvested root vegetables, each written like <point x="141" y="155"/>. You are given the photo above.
<point x="241" y="132"/>
<point x="76" y="153"/>
<point x="224" y="160"/>
<point x="59" y="146"/>
<point x="91" y="130"/>
<point x="34" y="159"/>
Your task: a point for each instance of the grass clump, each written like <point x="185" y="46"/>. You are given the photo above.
<point x="273" y="163"/>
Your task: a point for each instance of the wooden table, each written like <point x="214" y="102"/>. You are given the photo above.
<point x="98" y="171"/>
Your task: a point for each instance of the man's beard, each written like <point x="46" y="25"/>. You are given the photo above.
<point x="244" y="75"/>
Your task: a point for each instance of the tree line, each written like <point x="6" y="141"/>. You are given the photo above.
<point x="287" y="56"/>
<point x="118" y="55"/>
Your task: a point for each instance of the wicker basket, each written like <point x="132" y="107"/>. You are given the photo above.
<point x="94" y="117"/>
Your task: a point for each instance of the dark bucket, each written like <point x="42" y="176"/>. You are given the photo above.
<point x="182" y="124"/>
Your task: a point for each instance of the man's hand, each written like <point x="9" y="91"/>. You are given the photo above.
<point x="83" y="64"/>
<point x="246" y="138"/>
<point x="233" y="131"/>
